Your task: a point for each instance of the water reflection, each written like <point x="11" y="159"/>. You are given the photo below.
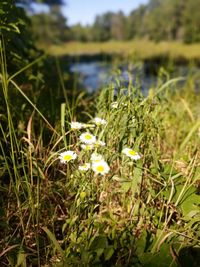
<point x="94" y="75"/>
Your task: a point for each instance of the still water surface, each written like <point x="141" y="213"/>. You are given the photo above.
<point x="96" y="74"/>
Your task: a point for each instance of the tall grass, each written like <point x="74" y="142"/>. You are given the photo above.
<point x="143" y="212"/>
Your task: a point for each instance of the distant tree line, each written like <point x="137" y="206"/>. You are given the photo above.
<point x="158" y="20"/>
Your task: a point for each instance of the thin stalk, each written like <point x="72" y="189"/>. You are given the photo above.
<point x="34" y="106"/>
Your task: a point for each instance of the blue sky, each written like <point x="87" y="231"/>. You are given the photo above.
<point x="84" y="11"/>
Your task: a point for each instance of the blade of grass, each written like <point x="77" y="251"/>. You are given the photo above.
<point x="54" y="241"/>
<point x="189" y="135"/>
<point x="34" y="106"/>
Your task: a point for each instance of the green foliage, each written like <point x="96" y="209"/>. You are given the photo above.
<point x="118" y="26"/>
<point x="102" y="27"/>
<point x="49" y="28"/>
<point x="82" y="33"/>
<point x="54" y="20"/>
<point x="191" y="21"/>
<point x="134" y="25"/>
<point x="15" y="36"/>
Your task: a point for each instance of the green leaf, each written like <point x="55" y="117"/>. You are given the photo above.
<point x="21" y="258"/>
<point x="108" y="253"/>
<point x="14" y="27"/>
<point x="191" y="132"/>
<point x="137" y="178"/>
<point x="162" y="258"/>
<point x="99" y="242"/>
<point x="143" y="243"/>
<point x="126" y="186"/>
<point x="54" y="241"/>
<point x="190" y="205"/>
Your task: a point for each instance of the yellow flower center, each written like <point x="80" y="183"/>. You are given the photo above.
<point x="84" y="166"/>
<point x="88" y="136"/>
<point x="67" y="157"/>
<point x="132" y="153"/>
<point x="100" y="168"/>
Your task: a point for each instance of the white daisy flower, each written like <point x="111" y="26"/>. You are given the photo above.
<point x="114" y="104"/>
<point x="100" y="167"/>
<point x="87" y="147"/>
<point x="76" y="125"/>
<point x="99" y="121"/>
<point x="131" y="153"/>
<point x="88" y="138"/>
<point x="84" y="167"/>
<point x="100" y="143"/>
<point x="95" y="157"/>
<point x="67" y="156"/>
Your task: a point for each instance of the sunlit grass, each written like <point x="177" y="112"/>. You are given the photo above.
<point x="140" y="49"/>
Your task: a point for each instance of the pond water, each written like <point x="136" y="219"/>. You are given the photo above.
<point x="96" y="74"/>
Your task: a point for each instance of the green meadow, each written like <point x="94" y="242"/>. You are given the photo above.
<point x="140" y="49"/>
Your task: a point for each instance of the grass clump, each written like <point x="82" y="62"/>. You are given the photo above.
<point x="117" y="184"/>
